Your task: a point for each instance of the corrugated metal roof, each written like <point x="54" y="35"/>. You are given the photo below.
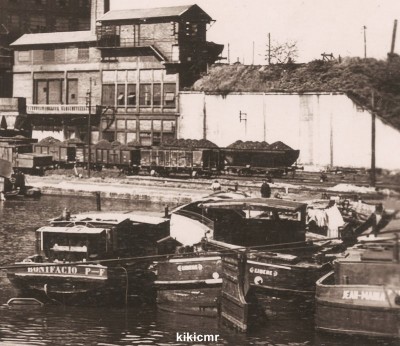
<point x="55" y="38"/>
<point x="147" y="13"/>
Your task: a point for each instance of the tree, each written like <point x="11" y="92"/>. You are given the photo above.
<point x="281" y="53"/>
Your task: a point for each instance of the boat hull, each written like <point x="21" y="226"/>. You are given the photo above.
<point x="368" y="310"/>
<point x="284" y="279"/>
<point x="81" y="284"/>
<point x="189" y="285"/>
<point x="193" y="285"/>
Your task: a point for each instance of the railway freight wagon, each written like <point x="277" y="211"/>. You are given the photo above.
<point x="196" y="162"/>
<point x="253" y="161"/>
<point x="22" y="158"/>
<point x="126" y="160"/>
<point x="63" y="155"/>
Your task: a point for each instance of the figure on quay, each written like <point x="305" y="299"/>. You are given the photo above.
<point x="265" y="189"/>
<point x="216" y="186"/>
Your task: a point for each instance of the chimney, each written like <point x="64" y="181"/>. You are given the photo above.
<point x="97" y="9"/>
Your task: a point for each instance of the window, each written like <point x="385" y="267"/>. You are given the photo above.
<point x="84" y="3"/>
<point x="157" y="94"/>
<point x="169" y="95"/>
<point x="131" y="92"/>
<point x="121" y="124"/>
<point x="108" y="96"/>
<point x="37" y="23"/>
<point x="62" y="3"/>
<point x="62" y="24"/>
<point x="14" y="21"/>
<point x="121" y="95"/>
<point x="191" y="29"/>
<point x="145" y="95"/>
<point x="48" y="91"/>
<point x="83" y="53"/>
<point x="24" y="55"/>
<point x="54" y="92"/>
<point x="48" y="55"/>
<point x="72" y="91"/>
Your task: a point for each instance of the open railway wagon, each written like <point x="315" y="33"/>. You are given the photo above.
<point x="18" y="151"/>
<point x="63" y="153"/>
<point x="275" y="159"/>
<point x="126" y="160"/>
<point x="195" y="162"/>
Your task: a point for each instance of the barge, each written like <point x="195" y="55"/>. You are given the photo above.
<point x="361" y="296"/>
<point x="91" y="258"/>
<point x="271" y="233"/>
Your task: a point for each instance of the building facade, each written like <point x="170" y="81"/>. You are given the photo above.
<point x="129" y="68"/>
<point x="329" y="129"/>
<point x="18" y="17"/>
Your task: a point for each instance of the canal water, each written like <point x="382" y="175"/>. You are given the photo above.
<point x="135" y="325"/>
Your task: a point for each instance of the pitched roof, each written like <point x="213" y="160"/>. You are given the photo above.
<point x="147" y="13"/>
<point x="55" y="38"/>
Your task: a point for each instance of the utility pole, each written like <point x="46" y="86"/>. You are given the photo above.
<point x="252" y="60"/>
<point x="373" y="140"/>
<point x="365" y="42"/>
<point x="89" y="135"/>
<point x="269" y="48"/>
<point x="393" y="38"/>
<point x="229" y="55"/>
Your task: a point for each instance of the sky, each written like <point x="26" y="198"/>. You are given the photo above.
<point x="318" y="26"/>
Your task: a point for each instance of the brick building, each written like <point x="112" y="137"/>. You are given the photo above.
<point x="18" y="17"/>
<point x="130" y="66"/>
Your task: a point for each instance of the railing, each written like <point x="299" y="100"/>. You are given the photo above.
<point x="59" y="109"/>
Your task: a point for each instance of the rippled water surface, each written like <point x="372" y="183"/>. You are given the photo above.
<point x="135" y="325"/>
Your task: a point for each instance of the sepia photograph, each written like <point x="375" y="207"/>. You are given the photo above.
<point x="199" y="172"/>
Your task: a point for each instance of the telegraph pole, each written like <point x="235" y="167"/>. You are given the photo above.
<point x="373" y="140"/>
<point x="365" y="42"/>
<point x="89" y="104"/>
<point x="269" y="48"/>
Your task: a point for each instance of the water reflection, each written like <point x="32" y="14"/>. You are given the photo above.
<point x="136" y="325"/>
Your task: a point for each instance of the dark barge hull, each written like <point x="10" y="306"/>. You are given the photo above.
<point x="366" y="310"/>
<point x="190" y="285"/>
<point x="113" y="286"/>
<point x="284" y="279"/>
<point x="197" y="290"/>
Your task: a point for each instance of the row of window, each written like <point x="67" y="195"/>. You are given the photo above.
<point x="51" y="55"/>
<point x="40" y="23"/>
<point x="50" y="91"/>
<point x="146" y="132"/>
<point x="150" y="95"/>
<point x="60" y="3"/>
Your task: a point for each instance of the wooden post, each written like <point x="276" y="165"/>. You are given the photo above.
<point x="234" y="308"/>
<point x="98" y="201"/>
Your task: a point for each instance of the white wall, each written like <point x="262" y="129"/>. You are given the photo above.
<point x="327" y="128"/>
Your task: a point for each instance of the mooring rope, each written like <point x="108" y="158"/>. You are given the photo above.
<point x="273" y="247"/>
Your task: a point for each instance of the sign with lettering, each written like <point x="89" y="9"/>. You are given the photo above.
<point x="184" y="267"/>
<point x="364" y="295"/>
<point x="65" y="270"/>
<point x="261" y="271"/>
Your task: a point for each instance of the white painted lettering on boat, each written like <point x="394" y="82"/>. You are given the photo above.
<point x="263" y="271"/>
<point x="66" y="270"/>
<point x="53" y="270"/>
<point x="364" y="295"/>
<point x="183" y="267"/>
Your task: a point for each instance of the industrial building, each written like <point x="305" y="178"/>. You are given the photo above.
<point x="126" y="72"/>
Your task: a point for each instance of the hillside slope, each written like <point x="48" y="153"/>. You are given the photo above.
<point x="358" y="78"/>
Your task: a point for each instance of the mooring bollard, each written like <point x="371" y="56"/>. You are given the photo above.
<point x="98" y="201"/>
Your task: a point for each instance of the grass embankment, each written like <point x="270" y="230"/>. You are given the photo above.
<point x="373" y="84"/>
